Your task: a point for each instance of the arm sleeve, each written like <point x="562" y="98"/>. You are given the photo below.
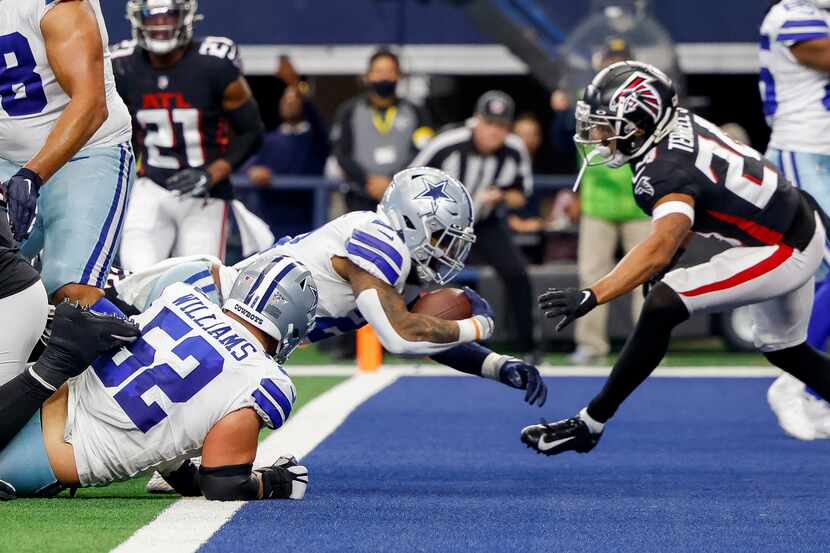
<point x="378" y="250"/>
<point x="342" y="141"/>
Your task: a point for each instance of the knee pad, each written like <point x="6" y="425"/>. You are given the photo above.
<point x="664" y="305"/>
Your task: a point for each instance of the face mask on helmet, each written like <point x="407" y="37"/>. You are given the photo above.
<point x="161" y="26"/>
<point x="433" y="212"/>
<point x="277" y="295"/>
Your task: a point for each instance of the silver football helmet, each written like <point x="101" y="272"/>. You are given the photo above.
<point x="277" y="295"/>
<point x="434" y="213"/>
<point x="161" y="26"/>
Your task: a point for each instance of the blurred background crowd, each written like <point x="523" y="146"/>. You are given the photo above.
<point x="352" y="92"/>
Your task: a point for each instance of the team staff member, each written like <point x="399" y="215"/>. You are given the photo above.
<point x="495" y="167"/>
<point x="183" y="94"/>
<point x="376" y="134"/>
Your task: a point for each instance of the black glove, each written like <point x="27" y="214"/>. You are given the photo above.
<point x="79" y="336"/>
<point x="193" y="181"/>
<point x="21" y="192"/>
<point x="285" y="479"/>
<point x="570" y="303"/>
<point x="524" y="376"/>
<point x="658" y="276"/>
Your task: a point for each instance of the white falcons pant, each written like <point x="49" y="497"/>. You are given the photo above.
<point x="22" y="318"/>
<point x="777" y="281"/>
<point x="160" y="225"/>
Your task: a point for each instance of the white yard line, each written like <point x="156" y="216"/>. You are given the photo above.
<point x="753" y="371"/>
<point x="189" y="523"/>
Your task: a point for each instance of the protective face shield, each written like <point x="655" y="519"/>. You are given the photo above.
<point x="434" y="213"/>
<point x="277" y="295"/>
<point x="161" y="26"/>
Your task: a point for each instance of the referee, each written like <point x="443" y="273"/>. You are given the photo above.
<point x="495" y="167"/>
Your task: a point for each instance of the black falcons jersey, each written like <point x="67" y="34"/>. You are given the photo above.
<point x="177" y="111"/>
<point x="15" y="274"/>
<point x="739" y="196"/>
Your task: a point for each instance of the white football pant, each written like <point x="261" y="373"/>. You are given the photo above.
<point x="22" y="318"/>
<point x="777" y="281"/>
<point x="160" y="225"/>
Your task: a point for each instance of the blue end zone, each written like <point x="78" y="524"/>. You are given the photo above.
<point x="435" y="464"/>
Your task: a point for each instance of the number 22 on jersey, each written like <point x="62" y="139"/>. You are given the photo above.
<point x="193" y="354"/>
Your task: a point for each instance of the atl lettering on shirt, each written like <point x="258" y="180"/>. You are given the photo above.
<point x="363" y="237"/>
<point x="739" y="196"/>
<point x="793" y="93"/>
<point x="153" y="402"/>
<point x="178" y="110"/>
<point x="32" y="97"/>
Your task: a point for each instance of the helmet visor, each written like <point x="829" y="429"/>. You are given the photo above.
<point x="595" y="135"/>
<point x="446" y="254"/>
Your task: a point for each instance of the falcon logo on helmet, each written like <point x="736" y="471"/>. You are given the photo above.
<point x="637" y="92"/>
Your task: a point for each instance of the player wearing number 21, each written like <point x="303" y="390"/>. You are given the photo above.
<point x="66" y="165"/>
<point x="182" y="93"/>
<point x="690" y="177"/>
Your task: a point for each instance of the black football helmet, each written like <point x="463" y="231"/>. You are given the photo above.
<point x="161" y="26"/>
<point x="630" y="103"/>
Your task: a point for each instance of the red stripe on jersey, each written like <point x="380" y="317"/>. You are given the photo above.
<point x="781" y="254"/>
<point x="759" y="232"/>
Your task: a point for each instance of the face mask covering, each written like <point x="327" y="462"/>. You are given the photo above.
<point x="384" y="89"/>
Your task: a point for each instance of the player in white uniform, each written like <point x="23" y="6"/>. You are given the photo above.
<point x="65" y="150"/>
<point x="200" y="379"/>
<point x="795" y="89"/>
<point x="361" y="262"/>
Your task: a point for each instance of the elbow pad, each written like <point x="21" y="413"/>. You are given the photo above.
<point x="229" y="483"/>
<point x="248" y="128"/>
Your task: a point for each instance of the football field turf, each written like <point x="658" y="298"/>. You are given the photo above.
<point x="434" y="463"/>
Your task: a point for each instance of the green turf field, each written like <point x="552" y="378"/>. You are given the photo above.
<point x="98" y="519"/>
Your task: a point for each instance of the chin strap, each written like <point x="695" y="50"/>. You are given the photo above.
<point x="598" y="151"/>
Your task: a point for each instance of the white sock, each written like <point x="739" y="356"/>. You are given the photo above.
<point x="594" y="426"/>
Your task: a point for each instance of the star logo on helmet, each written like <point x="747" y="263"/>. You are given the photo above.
<point x="435" y="192"/>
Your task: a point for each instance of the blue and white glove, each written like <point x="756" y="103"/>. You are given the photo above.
<point x="524" y="376"/>
<point x="482" y="313"/>
<point x="193" y="181"/>
<point x="21" y="192"/>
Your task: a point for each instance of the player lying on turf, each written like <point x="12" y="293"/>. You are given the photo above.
<point x="200" y="378"/>
<point x="690" y="177"/>
<point x="362" y="261"/>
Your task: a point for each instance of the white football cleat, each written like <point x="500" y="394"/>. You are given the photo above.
<point x="788" y="399"/>
<point x="819" y="412"/>
<point x="157" y="484"/>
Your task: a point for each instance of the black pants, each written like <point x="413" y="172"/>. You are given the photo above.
<point x="494" y="246"/>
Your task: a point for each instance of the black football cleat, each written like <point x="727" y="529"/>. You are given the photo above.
<point x="553" y="438"/>
<point x="7" y="491"/>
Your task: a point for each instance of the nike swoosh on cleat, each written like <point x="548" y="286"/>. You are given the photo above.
<point x="544" y="445"/>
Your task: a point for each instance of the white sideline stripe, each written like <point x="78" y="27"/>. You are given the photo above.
<point x="188" y="523"/>
<point x="751" y="371"/>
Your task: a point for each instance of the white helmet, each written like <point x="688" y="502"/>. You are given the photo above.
<point x="434" y="213"/>
<point x="161" y="26"/>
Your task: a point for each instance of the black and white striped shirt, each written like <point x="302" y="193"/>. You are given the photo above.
<point x="453" y="151"/>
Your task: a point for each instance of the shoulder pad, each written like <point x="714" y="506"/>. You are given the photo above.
<point x="376" y="248"/>
<point x="218" y="47"/>
<point x="273" y="399"/>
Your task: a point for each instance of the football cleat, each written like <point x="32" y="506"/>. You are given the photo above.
<point x="157" y="484"/>
<point x="788" y="399"/>
<point x="7" y="491"/>
<point x="553" y="438"/>
<point x="299" y="476"/>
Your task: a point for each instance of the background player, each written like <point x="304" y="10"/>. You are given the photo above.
<point x="795" y="62"/>
<point x="182" y="94"/>
<point x="199" y="378"/>
<point x="63" y="129"/>
<point x="690" y="177"/>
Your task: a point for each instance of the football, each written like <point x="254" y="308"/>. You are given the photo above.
<point x="446" y="303"/>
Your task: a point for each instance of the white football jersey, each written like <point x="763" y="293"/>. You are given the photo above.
<point x="32" y="98"/>
<point x="155" y="401"/>
<point x="796" y="98"/>
<point x="368" y="241"/>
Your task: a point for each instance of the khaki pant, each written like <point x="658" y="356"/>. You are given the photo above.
<point x="598" y="241"/>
